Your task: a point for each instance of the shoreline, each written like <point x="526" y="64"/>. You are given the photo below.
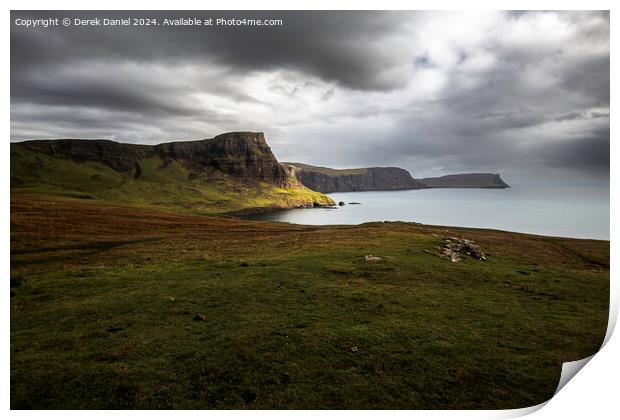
<point x="247" y="213"/>
<point x="255" y="211"/>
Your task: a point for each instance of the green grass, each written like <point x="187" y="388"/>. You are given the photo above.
<point x="102" y="313"/>
<point x="160" y="186"/>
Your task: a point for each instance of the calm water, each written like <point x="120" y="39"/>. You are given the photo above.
<point x="576" y="213"/>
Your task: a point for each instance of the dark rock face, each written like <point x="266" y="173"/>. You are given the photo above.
<point x="239" y="154"/>
<point x="327" y="180"/>
<point x="479" y="180"/>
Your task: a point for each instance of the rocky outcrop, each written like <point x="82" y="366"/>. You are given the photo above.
<point x="454" y="248"/>
<point x="476" y="180"/>
<point x="327" y="180"/>
<point x="238" y="154"/>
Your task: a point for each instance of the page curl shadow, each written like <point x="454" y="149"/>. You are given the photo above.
<point x="570" y="369"/>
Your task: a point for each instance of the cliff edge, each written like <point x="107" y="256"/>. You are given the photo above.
<point x="327" y="180"/>
<point x="239" y="154"/>
<point x="475" y="180"/>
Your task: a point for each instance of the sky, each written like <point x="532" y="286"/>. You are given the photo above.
<point x="523" y="94"/>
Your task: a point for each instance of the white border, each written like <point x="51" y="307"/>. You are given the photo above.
<point x="592" y="394"/>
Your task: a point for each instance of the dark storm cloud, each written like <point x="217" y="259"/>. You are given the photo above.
<point x="334" y="45"/>
<point x="434" y="92"/>
<point x="590" y="152"/>
<point x="104" y="93"/>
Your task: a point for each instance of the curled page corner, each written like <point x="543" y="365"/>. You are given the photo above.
<point x="520" y="412"/>
<point x="569" y="370"/>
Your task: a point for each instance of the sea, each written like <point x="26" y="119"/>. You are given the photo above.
<point x="553" y="211"/>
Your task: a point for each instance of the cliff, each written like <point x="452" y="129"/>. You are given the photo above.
<point x="231" y="172"/>
<point x="328" y="180"/>
<point x="240" y="154"/>
<point x="476" y="180"/>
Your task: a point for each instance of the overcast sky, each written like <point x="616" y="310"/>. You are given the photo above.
<point x="522" y="94"/>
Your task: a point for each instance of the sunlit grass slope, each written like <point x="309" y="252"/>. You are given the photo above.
<point x="164" y="185"/>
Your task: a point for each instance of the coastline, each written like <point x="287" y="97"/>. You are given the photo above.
<point x="255" y="211"/>
<point x="534" y="211"/>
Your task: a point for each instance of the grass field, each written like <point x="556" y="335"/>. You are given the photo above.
<point x="103" y="301"/>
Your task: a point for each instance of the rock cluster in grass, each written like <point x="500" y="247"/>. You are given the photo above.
<point x="200" y="317"/>
<point x="455" y="248"/>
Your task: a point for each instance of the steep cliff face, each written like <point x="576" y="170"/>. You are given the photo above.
<point x="241" y="154"/>
<point x="328" y="180"/>
<point x="476" y="180"/>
